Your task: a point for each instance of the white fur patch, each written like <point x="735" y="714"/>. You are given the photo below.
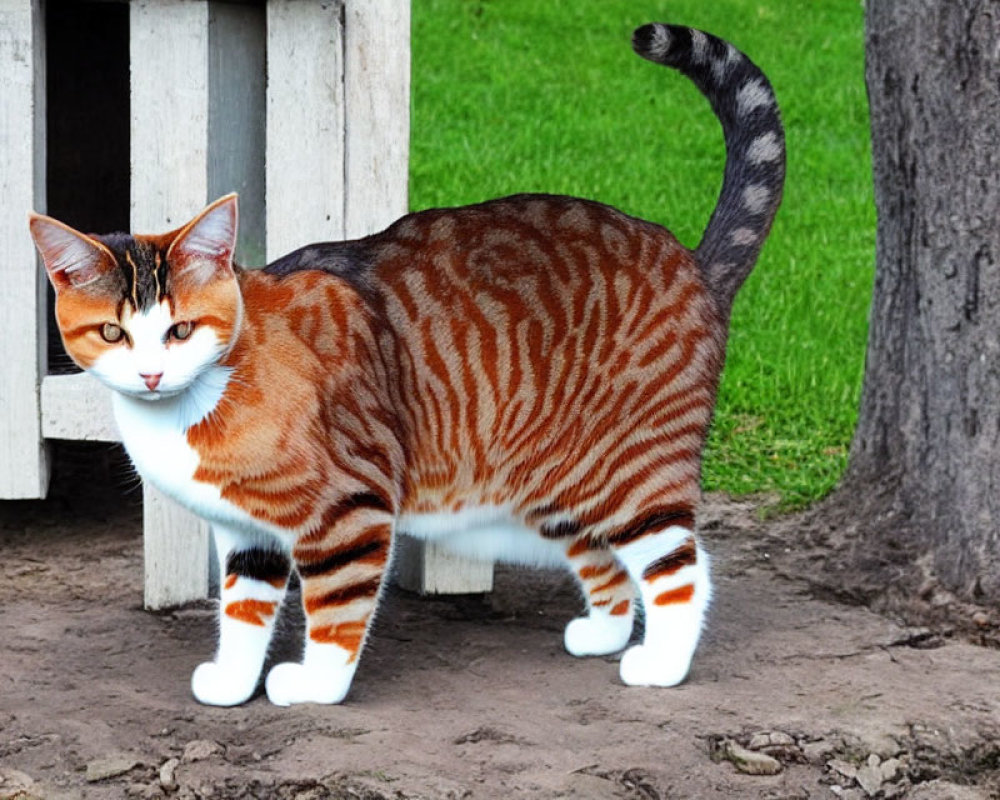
<point x="751" y="95"/>
<point x="660" y="44"/>
<point x="486" y="533"/>
<point x="743" y="236"/>
<point x="764" y="148"/>
<point x="181" y="363"/>
<point x="756" y="198"/>
<point x="699" y="47"/>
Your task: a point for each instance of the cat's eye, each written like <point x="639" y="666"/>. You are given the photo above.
<point x="111" y="333"/>
<point x="181" y="331"/>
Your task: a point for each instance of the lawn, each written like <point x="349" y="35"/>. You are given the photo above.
<point x="522" y="95"/>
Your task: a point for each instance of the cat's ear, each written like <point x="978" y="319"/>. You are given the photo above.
<point x="72" y="259"/>
<point x="203" y="249"/>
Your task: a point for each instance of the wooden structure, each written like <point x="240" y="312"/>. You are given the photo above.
<point x="302" y="102"/>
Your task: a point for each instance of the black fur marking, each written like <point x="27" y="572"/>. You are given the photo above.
<point x="655" y="521"/>
<point x="355" y="551"/>
<point x="561" y="530"/>
<point x="258" y="564"/>
<point x="143" y="277"/>
<point x="341" y="597"/>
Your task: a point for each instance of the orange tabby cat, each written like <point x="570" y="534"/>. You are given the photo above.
<point x="530" y="378"/>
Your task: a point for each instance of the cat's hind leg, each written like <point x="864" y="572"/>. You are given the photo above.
<point x="671" y="571"/>
<point x="253" y="579"/>
<point x="342" y="569"/>
<point x="610" y="597"/>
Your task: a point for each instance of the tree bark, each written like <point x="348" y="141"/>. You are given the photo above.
<point x="928" y="437"/>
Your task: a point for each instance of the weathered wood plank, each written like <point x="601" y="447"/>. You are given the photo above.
<point x="305" y="124"/>
<point x="377" y="97"/>
<point x="169" y="135"/>
<point x="175" y="552"/>
<point x="77" y="407"/>
<point x="428" y="568"/>
<point x="24" y="470"/>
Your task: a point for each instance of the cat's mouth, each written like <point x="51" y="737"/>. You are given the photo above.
<point x="152" y="395"/>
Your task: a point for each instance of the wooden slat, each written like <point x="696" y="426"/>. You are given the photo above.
<point x="77" y="407"/>
<point x="24" y="470"/>
<point x="305" y="124"/>
<point x="428" y="568"/>
<point x="175" y="552"/>
<point x="169" y="144"/>
<point x="377" y="94"/>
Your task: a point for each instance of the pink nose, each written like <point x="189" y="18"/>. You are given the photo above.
<point x="152" y="380"/>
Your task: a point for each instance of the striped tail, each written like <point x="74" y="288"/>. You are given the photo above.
<point x="743" y="100"/>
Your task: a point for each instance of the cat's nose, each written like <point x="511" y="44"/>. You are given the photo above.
<point x="152" y="379"/>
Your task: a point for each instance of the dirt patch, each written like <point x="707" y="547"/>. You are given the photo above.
<point x="792" y="695"/>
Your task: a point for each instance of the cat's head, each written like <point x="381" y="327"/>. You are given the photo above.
<point x="146" y="315"/>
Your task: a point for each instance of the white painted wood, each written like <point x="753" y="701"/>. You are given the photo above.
<point x="169" y="45"/>
<point x="77" y="407"/>
<point x="24" y="470"/>
<point x="377" y="94"/>
<point x="175" y="552"/>
<point x="427" y="568"/>
<point x="169" y="94"/>
<point x="305" y="124"/>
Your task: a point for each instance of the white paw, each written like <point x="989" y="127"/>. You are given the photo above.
<point x="597" y="634"/>
<point x="216" y="685"/>
<point x="297" y="683"/>
<point x="643" y="665"/>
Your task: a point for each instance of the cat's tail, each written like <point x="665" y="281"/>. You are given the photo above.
<point x="742" y="98"/>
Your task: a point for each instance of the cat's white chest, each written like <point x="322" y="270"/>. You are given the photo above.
<point x="155" y="436"/>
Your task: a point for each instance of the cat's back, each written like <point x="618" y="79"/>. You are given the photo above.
<point x="524" y="236"/>
<point x="557" y="262"/>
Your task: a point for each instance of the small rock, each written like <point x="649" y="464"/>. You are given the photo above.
<point x="981" y="618"/>
<point x="818" y="752"/>
<point x="199" y="750"/>
<point x="111" y="767"/>
<point x="14" y="784"/>
<point x="168" y="780"/>
<point x="870" y="777"/>
<point x="144" y="791"/>
<point x="891" y="768"/>
<point x="751" y="763"/>
<point x="765" y="739"/>
<point x="893" y="790"/>
<point x="843" y="768"/>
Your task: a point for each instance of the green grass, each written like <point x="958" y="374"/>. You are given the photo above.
<point x="546" y="95"/>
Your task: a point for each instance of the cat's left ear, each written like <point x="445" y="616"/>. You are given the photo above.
<point x="203" y="250"/>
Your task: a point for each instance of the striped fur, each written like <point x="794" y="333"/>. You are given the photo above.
<point x="532" y="378"/>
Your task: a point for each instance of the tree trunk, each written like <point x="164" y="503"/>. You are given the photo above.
<point x="928" y="437"/>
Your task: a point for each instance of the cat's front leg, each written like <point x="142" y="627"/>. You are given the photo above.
<point x="342" y="570"/>
<point x="252" y="584"/>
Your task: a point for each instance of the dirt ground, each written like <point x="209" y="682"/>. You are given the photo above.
<point x="791" y="696"/>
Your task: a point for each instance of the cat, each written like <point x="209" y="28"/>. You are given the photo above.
<point x="531" y="378"/>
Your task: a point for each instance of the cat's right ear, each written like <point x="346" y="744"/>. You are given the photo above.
<point x="72" y="259"/>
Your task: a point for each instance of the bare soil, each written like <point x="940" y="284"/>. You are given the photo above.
<point x="473" y="696"/>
